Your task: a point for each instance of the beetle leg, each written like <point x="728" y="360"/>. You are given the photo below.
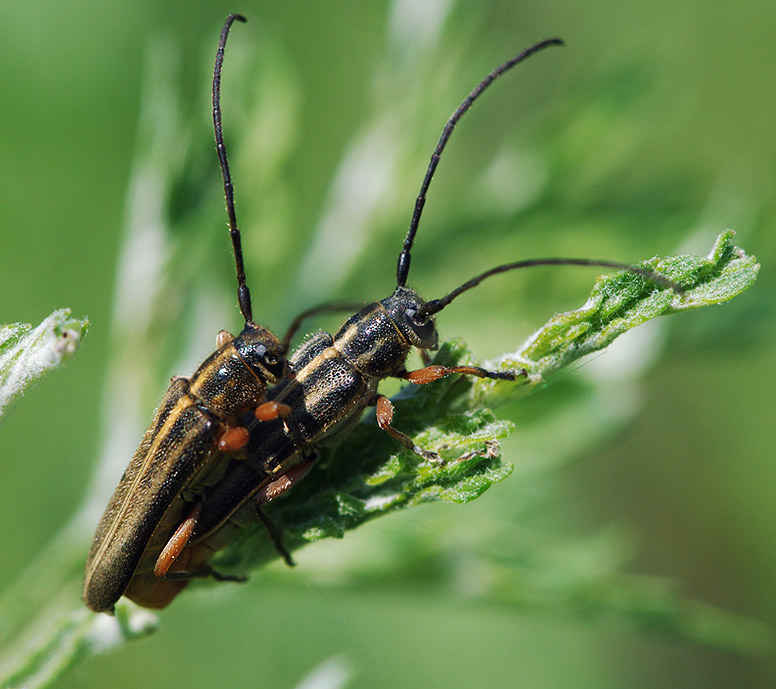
<point x="202" y="572"/>
<point x="175" y="546"/>
<point x="267" y="411"/>
<point x="274" y="535"/>
<point x="270" y="492"/>
<point x="431" y="373"/>
<point x="223" y="337"/>
<point x="384" y="415"/>
<point x="208" y="571"/>
<point x="233" y="439"/>
<point x="280" y="485"/>
<point x="177" y="542"/>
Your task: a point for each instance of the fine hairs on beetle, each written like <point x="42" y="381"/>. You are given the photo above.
<point x="250" y="423"/>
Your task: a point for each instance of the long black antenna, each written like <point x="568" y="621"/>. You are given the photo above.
<point x="403" y="265"/>
<point x="436" y="305"/>
<point x="243" y="294"/>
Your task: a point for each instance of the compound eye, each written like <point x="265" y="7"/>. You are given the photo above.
<point x="422" y="327"/>
<point x="276" y="365"/>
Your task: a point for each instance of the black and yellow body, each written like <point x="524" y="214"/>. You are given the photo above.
<point x="187" y="490"/>
<point x="335" y="379"/>
<point x="176" y="459"/>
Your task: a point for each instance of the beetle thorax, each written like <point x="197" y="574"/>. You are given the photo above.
<point x="378" y="339"/>
<point x="235" y="377"/>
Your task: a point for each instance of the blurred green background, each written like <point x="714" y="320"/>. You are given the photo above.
<point x="653" y="129"/>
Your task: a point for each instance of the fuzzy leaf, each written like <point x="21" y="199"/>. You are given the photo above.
<point x="618" y="303"/>
<point x="26" y="353"/>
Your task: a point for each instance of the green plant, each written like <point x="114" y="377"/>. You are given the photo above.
<point x="46" y="631"/>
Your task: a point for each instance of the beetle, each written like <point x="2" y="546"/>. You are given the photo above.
<point x="195" y="426"/>
<point x="336" y="377"/>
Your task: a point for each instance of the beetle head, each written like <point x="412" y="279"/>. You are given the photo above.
<point x="407" y="310"/>
<point x="261" y="351"/>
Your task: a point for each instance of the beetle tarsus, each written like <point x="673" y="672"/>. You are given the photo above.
<point x="220" y="576"/>
<point x="384" y="415"/>
<point x="204" y="572"/>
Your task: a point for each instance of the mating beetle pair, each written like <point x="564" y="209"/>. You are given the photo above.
<point x="249" y="423"/>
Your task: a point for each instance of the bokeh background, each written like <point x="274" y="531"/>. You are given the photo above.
<point x="652" y="131"/>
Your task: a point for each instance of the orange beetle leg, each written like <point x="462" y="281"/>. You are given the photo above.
<point x="233" y="439"/>
<point x="177" y="542"/>
<point x="272" y="410"/>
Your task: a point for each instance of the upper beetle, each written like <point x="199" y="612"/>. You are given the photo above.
<point x="196" y="422"/>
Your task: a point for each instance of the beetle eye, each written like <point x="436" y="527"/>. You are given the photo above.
<point x="276" y="365"/>
<point x="422" y="327"/>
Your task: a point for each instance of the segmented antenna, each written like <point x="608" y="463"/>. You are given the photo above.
<point x="403" y="264"/>
<point x="436" y="305"/>
<point x="243" y="294"/>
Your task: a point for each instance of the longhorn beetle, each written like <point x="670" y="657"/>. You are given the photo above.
<point x="196" y="424"/>
<point x="335" y="379"/>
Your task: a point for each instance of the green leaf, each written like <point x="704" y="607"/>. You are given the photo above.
<point x="618" y="303"/>
<point x="367" y="476"/>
